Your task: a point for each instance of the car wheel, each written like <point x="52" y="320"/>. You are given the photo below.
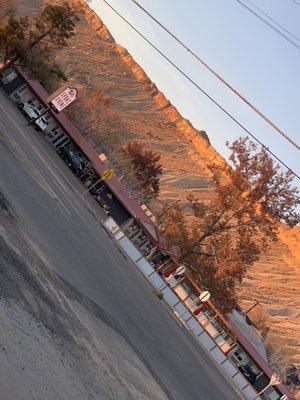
<point x="30" y="120"/>
<point x="69" y="164"/>
<point x="21" y="107"/>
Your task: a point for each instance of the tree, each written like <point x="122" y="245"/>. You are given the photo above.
<point x="36" y="43"/>
<point x="6" y="8"/>
<point x="252" y="197"/>
<point x="147" y="169"/>
<point x="13" y="33"/>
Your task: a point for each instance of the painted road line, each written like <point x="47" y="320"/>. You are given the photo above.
<point x="43" y="159"/>
<point x="60" y="201"/>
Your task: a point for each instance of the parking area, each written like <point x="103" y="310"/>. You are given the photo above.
<point x="42" y="121"/>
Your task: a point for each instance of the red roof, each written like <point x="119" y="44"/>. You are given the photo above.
<point x="113" y="184"/>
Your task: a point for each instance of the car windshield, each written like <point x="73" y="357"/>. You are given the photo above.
<point x="44" y="121"/>
<point x="36" y="112"/>
<point x="75" y="159"/>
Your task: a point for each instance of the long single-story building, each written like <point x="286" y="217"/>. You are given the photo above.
<point x="139" y="226"/>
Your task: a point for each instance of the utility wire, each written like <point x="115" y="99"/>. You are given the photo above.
<point x="296" y="2"/>
<point x="270" y="25"/>
<point x="218" y="76"/>
<point x="273" y="20"/>
<point x="202" y="90"/>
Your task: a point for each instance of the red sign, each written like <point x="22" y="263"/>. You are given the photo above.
<point x="65" y="98"/>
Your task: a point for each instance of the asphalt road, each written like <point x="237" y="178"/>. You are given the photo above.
<point x="32" y="177"/>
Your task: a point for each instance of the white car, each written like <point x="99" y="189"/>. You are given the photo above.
<point x="31" y="113"/>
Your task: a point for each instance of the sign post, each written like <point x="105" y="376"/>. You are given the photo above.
<point x="106" y="175"/>
<point x="274" y="380"/>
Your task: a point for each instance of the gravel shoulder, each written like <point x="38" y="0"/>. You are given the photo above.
<point x="53" y="346"/>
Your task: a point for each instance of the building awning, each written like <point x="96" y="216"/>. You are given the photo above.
<point x="114" y="184"/>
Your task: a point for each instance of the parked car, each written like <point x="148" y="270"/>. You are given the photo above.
<point x="32" y="114"/>
<point x="72" y="160"/>
<point x="248" y="373"/>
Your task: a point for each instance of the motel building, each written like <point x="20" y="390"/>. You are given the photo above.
<point x="233" y="342"/>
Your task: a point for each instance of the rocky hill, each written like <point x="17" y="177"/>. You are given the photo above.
<point x="118" y="102"/>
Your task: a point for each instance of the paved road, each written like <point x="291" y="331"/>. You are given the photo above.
<point x="83" y="255"/>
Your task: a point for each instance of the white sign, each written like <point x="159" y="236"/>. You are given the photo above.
<point x="65" y="98"/>
<point x="204" y="296"/>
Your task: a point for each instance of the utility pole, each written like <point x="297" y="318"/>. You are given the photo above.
<point x="166" y="211"/>
<point x="251" y="308"/>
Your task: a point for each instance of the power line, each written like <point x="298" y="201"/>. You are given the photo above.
<point x="296" y="2"/>
<point x="269" y="25"/>
<point x="218" y="76"/>
<point x="202" y="90"/>
<point x="273" y="20"/>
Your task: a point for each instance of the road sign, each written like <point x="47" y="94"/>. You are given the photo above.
<point x="180" y="270"/>
<point x="107" y="174"/>
<point x="63" y="99"/>
<point x="275" y="380"/>
<point x="204" y="296"/>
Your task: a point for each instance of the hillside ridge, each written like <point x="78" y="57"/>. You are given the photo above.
<point x="199" y="138"/>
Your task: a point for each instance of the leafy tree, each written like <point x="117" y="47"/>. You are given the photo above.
<point x="13" y="33"/>
<point x="36" y="43"/>
<point x="252" y="197"/>
<point x="147" y="169"/>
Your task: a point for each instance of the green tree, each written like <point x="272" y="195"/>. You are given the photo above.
<point x="252" y="197"/>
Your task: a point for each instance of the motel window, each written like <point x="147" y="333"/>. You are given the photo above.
<point x="8" y="75"/>
<point x="55" y="129"/>
<point x="39" y="107"/>
<point x="186" y="287"/>
<point x="21" y="90"/>
<point x="239" y="355"/>
<point x="271" y="394"/>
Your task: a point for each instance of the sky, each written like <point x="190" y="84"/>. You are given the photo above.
<point x="249" y="55"/>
